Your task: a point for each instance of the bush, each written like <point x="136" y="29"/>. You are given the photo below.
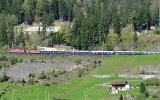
<point x="32" y="60"/>
<point x="5" y="48"/>
<point x="121" y="97"/>
<point x="77" y="61"/>
<point x="47" y="84"/>
<point x="31" y="75"/>
<point x="157" y="32"/>
<point x="3" y="58"/>
<point x="31" y="81"/>
<point x="42" y="76"/>
<point x="81" y="72"/>
<point x="155" y="96"/>
<point x="13" y="61"/>
<point x="0" y="66"/>
<point x="23" y="81"/>
<point x="140" y="97"/>
<point x="142" y="88"/>
<point x="152" y="82"/>
<point x="4" y="78"/>
<point x="21" y="60"/>
<point x="147" y="94"/>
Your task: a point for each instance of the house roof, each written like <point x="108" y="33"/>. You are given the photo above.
<point x="119" y="83"/>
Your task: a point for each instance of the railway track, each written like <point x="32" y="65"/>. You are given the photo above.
<point x="102" y="53"/>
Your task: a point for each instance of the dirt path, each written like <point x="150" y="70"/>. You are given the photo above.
<point x="128" y="76"/>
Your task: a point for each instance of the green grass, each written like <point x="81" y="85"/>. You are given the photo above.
<point x="119" y="63"/>
<point x="75" y="89"/>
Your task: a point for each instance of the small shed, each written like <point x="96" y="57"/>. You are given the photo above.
<point x="119" y="86"/>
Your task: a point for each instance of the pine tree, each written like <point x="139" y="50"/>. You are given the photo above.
<point x="54" y="8"/>
<point x="48" y="19"/>
<point x="11" y="21"/>
<point x="142" y="88"/>
<point x="103" y="28"/>
<point x="42" y="7"/>
<point x="3" y="30"/>
<point x="86" y="32"/>
<point x="121" y="97"/>
<point x="76" y="35"/>
<point x="29" y="9"/>
<point x="147" y="94"/>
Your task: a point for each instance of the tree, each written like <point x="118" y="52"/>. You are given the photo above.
<point x="121" y="97"/>
<point x="62" y="10"/>
<point x="3" y="30"/>
<point x="154" y="12"/>
<point x="11" y="21"/>
<point x="111" y="42"/>
<point x="29" y="9"/>
<point x="142" y="88"/>
<point x="127" y="38"/>
<point x="116" y="20"/>
<point x="48" y="19"/>
<point x="88" y="33"/>
<point x="147" y="94"/>
<point x="42" y="7"/>
<point x="103" y="28"/>
<point x="75" y="32"/>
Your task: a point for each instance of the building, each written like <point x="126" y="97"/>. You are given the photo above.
<point x="119" y="86"/>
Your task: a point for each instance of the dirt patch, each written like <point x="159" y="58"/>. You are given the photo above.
<point x="150" y="69"/>
<point x="22" y="70"/>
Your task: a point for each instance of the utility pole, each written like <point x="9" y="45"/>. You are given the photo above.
<point x="46" y="93"/>
<point x="37" y="97"/>
<point x="85" y="95"/>
<point x="13" y="94"/>
<point x="48" y="96"/>
<point x="73" y="51"/>
<point x="102" y="49"/>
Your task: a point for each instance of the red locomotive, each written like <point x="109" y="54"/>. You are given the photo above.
<point x="25" y="51"/>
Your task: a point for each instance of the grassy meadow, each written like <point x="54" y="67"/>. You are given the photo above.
<point x="85" y="87"/>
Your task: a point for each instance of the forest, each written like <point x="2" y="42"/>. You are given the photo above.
<point x="93" y="23"/>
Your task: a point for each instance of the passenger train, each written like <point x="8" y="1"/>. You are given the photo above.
<point x="19" y="51"/>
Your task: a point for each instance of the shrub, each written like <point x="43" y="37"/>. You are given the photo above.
<point x="152" y="82"/>
<point x="142" y="88"/>
<point x="55" y="83"/>
<point x="21" y="60"/>
<point x="47" y="84"/>
<point x="42" y="76"/>
<point x="31" y="75"/>
<point x="0" y="66"/>
<point x="13" y="61"/>
<point x="140" y="97"/>
<point x="31" y="81"/>
<point x="155" y="96"/>
<point x="147" y="94"/>
<point x="4" y="78"/>
<point x="5" y="98"/>
<point x="157" y="32"/>
<point x="121" y="97"/>
<point x="81" y="72"/>
<point x="5" y="47"/>
<point x="3" y="58"/>
<point x="77" y="61"/>
<point x="23" y="81"/>
<point x="32" y="60"/>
